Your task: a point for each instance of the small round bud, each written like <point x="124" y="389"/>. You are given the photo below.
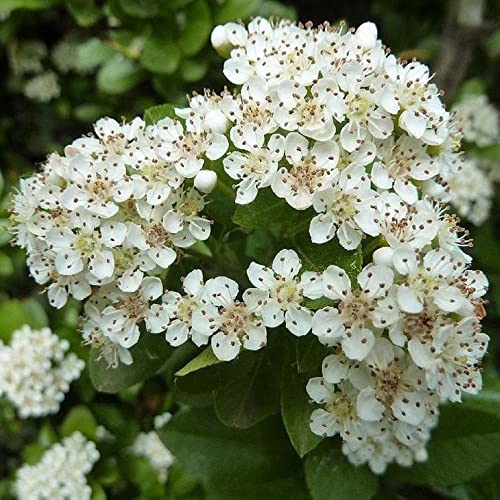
<point x="216" y="121"/>
<point x="220" y="41"/>
<point x="367" y="35"/>
<point x="421" y="455"/>
<point x="383" y="256"/>
<point x="205" y="181"/>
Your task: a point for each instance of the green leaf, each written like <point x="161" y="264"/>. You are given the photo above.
<point x="231" y="461"/>
<point x="204" y="359"/>
<point x="319" y="257"/>
<point x="6" y="265"/>
<point x="270" y="8"/>
<point x="160" y="54"/>
<point x="296" y="412"/>
<point x="197" y="30"/>
<point x="231" y="10"/>
<point x="85" y="12"/>
<point x="464" y="447"/>
<point x="93" y="53"/>
<point x="268" y="211"/>
<point x="79" y="419"/>
<point x="8" y="5"/>
<point x="251" y="398"/>
<point x="156" y="113"/>
<point x="16" y="313"/>
<point x="488" y="399"/>
<point x="5" y="235"/>
<point x="310" y="354"/>
<point x="192" y="70"/>
<point x="330" y="476"/>
<point x="118" y="75"/>
<point x="149" y="354"/>
<point x="142" y="9"/>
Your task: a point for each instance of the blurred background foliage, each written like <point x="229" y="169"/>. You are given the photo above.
<point x="64" y="63"/>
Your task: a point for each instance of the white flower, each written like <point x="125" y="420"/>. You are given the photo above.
<point x="427" y="281"/>
<point x="452" y="357"/>
<point x="120" y="321"/>
<point x="402" y="163"/>
<point x="229" y="322"/>
<point x="390" y="382"/>
<point x="61" y="471"/>
<point x="311" y="170"/>
<point x="352" y="322"/>
<point x="36" y="371"/>
<point x="312" y="115"/>
<point x="279" y="292"/>
<point x="181" y="309"/>
<point x="345" y="209"/>
<point x="256" y="167"/>
<point x="188" y="146"/>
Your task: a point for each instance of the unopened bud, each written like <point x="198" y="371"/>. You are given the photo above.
<point x="216" y="121"/>
<point x="367" y="35"/>
<point x="205" y="181"/>
<point x="220" y="41"/>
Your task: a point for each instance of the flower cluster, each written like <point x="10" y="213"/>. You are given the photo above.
<point x="36" y="371"/>
<point x="356" y="141"/>
<point x="470" y="191"/>
<point x="479" y="119"/>
<point x="150" y="446"/>
<point x="61" y="471"/>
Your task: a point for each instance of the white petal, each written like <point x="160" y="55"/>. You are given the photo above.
<point x="177" y="333"/>
<point x="408" y="300"/>
<point x="357" y="343"/>
<point x="298" y="320"/>
<point x="318" y="390"/>
<point x="336" y="283"/>
<point x="287" y="264"/>
<point x="335" y="368"/>
<point x="261" y="276"/>
<point x="225" y="347"/>
<point x="367" y="405"/>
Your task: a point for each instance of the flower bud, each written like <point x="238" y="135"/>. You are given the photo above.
<point x="216" y="121"/>
<point x="383" y="256"/>
<point x="220" y="41"/>
<point x="367" y="35"/>
<point x="205" y="181"/>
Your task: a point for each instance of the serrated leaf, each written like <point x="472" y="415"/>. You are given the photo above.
<point x="203" y="360"/>
<point x="149" y="354"/>
<point x="156" y="113"/>
<point x="330" y="476"/>
<point x="160" y="54"/>
<point x="118" y="75"/>
<point x="310" y="353"/>
<point x="296" y="411"/>
<point x="196" y="32"/>
<point x="250" y="398"/>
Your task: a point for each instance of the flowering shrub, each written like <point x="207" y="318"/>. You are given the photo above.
<point x="302" y="216"/>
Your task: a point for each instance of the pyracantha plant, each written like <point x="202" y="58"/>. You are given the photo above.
<point x="306" y="208"/>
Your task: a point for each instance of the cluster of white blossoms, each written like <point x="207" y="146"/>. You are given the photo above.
<point x="61" y="472"/>
<point x="150" y="446"/>
<point x="479" y="120"/>
<point x="356" y="140"/>
<point x="36" y="371"/>
<point x="471" y="190"/>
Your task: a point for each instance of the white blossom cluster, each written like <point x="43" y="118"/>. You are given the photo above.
<point x="117" y="208"/>
<point x="61" y="472"/>
<point x="361" y="143"/>
<point x="150" y="446"/>
<point x="36" y="371"/>
<point x="479" y="120"/>
<point x="471" y="189"/>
